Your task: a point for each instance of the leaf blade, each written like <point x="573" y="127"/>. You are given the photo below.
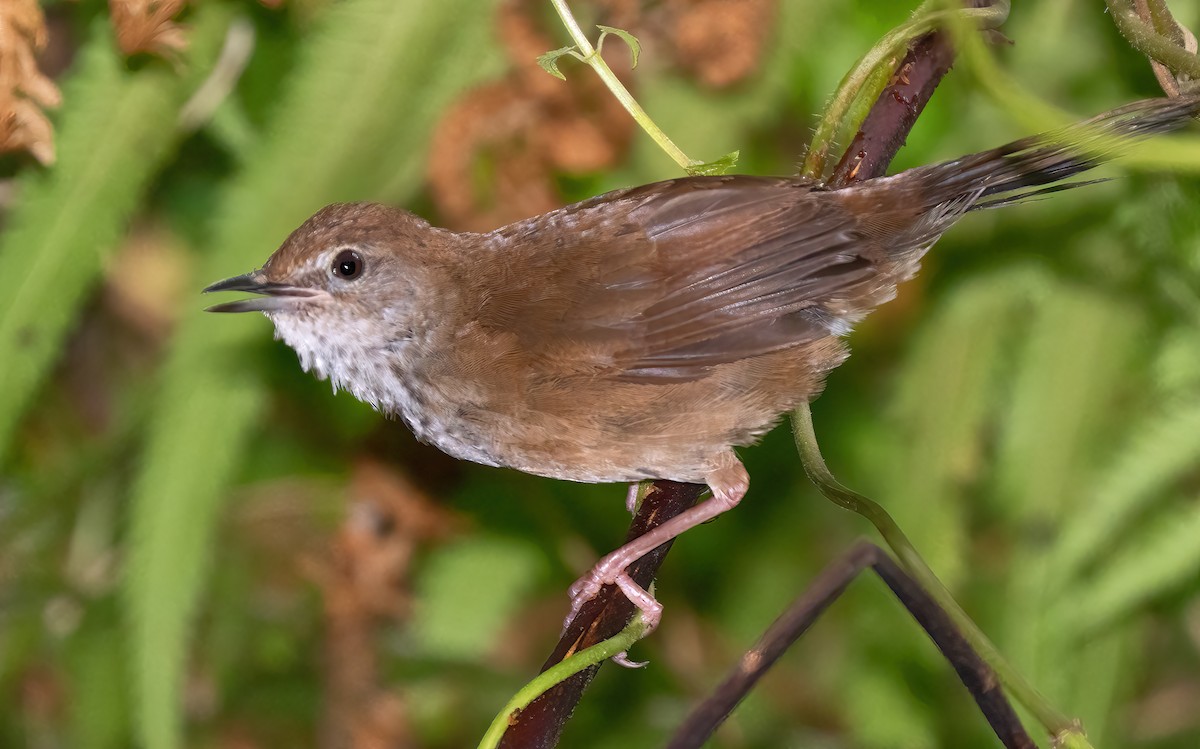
<point x="635" y="46"/>
<point x="368" y="63"/>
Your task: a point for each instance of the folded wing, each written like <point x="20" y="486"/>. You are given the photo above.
<point x="663" y="282"/>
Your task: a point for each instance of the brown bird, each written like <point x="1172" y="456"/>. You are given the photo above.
<point x="642" y="334"/>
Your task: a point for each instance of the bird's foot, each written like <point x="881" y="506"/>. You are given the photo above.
<point x="611" y="570"/>
<point x="728" y="481"/>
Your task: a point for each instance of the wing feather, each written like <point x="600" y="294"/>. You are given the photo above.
<point x="666" y="281"/>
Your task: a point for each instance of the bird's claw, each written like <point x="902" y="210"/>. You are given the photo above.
<point x="583" y="590"/>
<point x="605" y="573"/>
<point x="622" y="659"/>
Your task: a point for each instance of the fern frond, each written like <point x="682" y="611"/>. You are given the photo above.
<point x="1162" y="450"/>
<point x="116" y="131"/>
<point x="1162" y="558"/>
<point x="148" y="26"/>
<point x="351" y="124"/>
<point x="24" y="90"/>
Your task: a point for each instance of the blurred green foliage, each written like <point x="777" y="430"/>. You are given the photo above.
<point x="1029" y="410"/>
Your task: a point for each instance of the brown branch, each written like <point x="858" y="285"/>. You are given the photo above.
<point x="976" y="674"/>
<point x="894" y="113"/>
<point x="880" y="137"/>
<point x="887" y="124"/>
<point x="539" y="725"/>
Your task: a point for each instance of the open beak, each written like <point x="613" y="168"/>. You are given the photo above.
<point x="276" y="296"/>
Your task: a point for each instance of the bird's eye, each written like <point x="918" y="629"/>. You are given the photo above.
<point x="348" y="265"/>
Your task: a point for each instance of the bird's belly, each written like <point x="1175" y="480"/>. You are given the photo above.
<point x="600" y="429"/>
<point x="590" y="446"/>
<point x="578" y="457"/>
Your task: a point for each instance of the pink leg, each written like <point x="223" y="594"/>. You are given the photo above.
<point x="728" y="483"/>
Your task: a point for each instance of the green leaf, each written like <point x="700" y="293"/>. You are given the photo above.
<point x="549" y="61"/>
<point x="1163" y="450"/>
<point x="712" y="168"/>
<point x="1162" y="558"/>
<point x="116" y="130"/>
<point x="886" y="717"/>
<point x="1074" y="362"/>
<point x="941" y="415"/>
<point x="468" y="592"/>
<point x="98" y="708"/>
<point x="635" y="47"/>
<point x="361" y="103"/>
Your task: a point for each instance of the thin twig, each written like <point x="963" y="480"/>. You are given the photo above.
<point x="879" y="137"/>
<point x="827" y="587"/>
<point x="1054" y="721"/>
<point x="592" y="57"/>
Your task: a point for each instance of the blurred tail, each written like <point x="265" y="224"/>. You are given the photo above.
<point x="1047" y="159"/>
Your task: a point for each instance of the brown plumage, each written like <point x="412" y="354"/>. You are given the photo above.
<point x="641" y="334"/>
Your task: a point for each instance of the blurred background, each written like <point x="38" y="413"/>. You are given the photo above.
<point x="201" y="546"/>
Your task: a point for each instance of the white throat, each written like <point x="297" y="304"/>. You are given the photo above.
<point x="349" y="356"/>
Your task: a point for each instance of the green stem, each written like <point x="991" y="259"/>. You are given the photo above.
<point x="1142" y="37"/>
<point x="1061" y="727"/>
<point x="558" y="673"/>
<point x="1163" y="22"/>
<point x="1031" y="111"/>
<point x="883" y="56"/>
<point x="593" y="58"/>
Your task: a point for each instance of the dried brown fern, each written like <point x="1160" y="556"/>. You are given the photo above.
<point x="148" y="26"/>
<point x="720" y="41"/>
<point x="24" y="91"/>
<point x="527" y="127"/>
